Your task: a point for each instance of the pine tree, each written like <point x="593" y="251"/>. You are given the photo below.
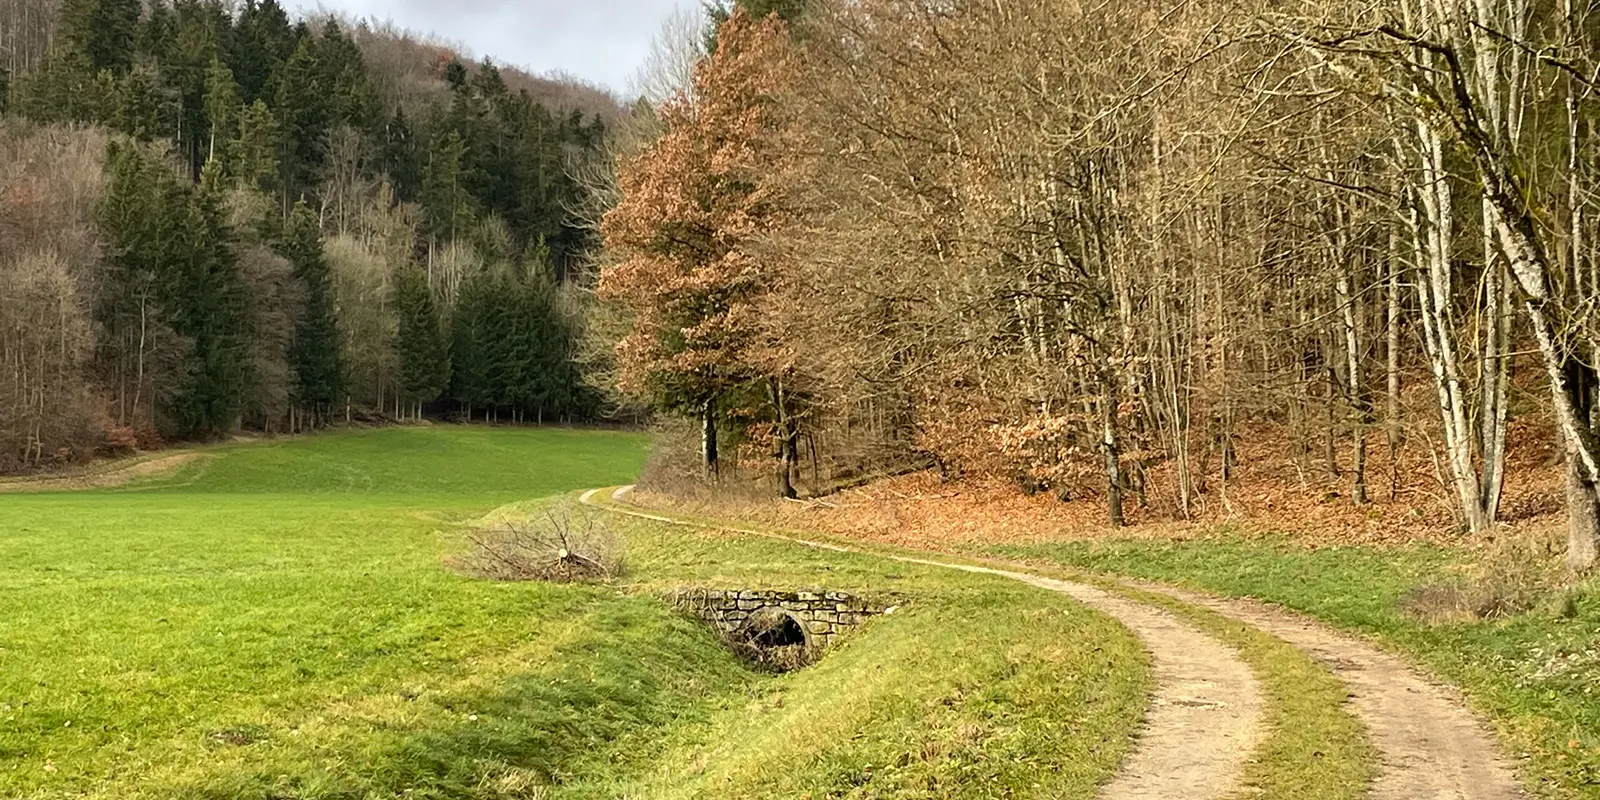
<point x="398" y="157"/>
<point x="223" y="112"/>
<point x="319" y="376"/>
<point x="255" y="148"/>
<point x="421" y="341"/>
<point x="447" y="206"/>
<point x="303" y="113"/>
<point x="263" y="42"/>
<point x="103" y="31"/>
<point x="5" y="89"/>
<point x="138" y="105"/>
<point x="211" y="311"/>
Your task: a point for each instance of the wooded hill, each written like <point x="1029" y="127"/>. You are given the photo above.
<point x="215" y="217"/>
<point x="1102" y="251"/>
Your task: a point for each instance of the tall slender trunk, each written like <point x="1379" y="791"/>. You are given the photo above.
<point x="1354" y="385"/>
<point x="708" y="440"/>
<point x="787" y="436"/>
<point x="1111" y="447"/>
<point x="1392" y="420"/>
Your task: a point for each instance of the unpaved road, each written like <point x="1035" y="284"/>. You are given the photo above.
<point x="1430" y="746"/>
<point x="108" y="478"/>
<point x="1205" y="720"/>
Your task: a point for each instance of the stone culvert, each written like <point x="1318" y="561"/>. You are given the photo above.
<point x="816" y="616"/>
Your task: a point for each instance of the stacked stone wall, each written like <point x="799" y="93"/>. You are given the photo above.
<point x="822" y="615"/>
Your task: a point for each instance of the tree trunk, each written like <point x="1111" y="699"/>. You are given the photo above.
<point x="1354" y="385"/>
<point x="1392" y="422"/>
<point x="708" y="441"/>
<point x="1112" y="448"/>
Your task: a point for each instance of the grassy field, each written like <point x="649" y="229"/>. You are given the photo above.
<point x="1536" y="673"/>
<point x="275" y="621"/>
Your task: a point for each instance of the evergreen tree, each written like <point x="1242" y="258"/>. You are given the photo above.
<point x="447" y="206"/>
<point x="155" y="36"/>
<point x="5" y="89"/>
<point x="470" y="338"/>
<point x="202" y="28"/>
<point x="172" y="238"/>
<point x="455" y="74"/>
<point x="352" y="97"/>
<point x="66" y="89"/>
<point x="211" y="305"/>
<point x="303" y="113"/>
<point x="319" y="376"/>
<point x="255" y="148"/>
<point x="720" y="10"/>
<point x="138" y="105"/>
<point x="223" y="112"/>
<point x="398" y="157"/>
<point x="263" y="41"/>
<point x="421" y="341"/>
<point x="103" y="31"/>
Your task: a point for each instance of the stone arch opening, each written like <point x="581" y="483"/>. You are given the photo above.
<point x="773" y="628"/>
<point x="776" y="639"/>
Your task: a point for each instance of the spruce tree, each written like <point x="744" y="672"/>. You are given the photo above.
<point x="447" y="206"/>
<point x="255" y="148"/>
<point x="202" y="27"/>
<point x="303" y="113"/>
<point x="223" y="110"/>
<point x="470" y="337"/>
<point x="103" y="31"/>
<point x="211" y="310"/>
<point x="314" y="354"/>
<point x="421" y="342"/>
<point x="262" y="43"/>
<point x="138" y="105"/>
<point x="353" y="99"/>
<point x="398" y="157"/>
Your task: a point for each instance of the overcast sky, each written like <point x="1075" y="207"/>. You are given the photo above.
<point x="600" y="41"/>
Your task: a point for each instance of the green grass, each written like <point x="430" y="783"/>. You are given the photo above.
<point x="1536" y="674"/>
<point x="275" y="622"/>
<point x="1313" y="747"/>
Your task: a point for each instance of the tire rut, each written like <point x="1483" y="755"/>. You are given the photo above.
<point x="1431" y="746"/>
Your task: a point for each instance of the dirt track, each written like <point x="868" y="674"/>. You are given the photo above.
<point x="1205" y="719"/>
<point x="108" y="478"/>
<point x="1431" y="747"/>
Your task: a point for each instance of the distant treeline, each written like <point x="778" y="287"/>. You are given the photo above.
<point x="215" y="217"/>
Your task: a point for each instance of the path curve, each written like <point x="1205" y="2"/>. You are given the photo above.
<point x="1430" y="745"/>
<point x="1205" y="720"/>
<point x="111" y="476"/>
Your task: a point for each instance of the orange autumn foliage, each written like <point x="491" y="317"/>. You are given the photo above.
<point x="695" y="206"/>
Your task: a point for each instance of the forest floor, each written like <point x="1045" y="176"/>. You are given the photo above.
<point x="278" y="619"/>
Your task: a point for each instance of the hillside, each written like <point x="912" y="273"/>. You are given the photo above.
<point x="227" y="219"/>
<point x="411" y="69"/>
